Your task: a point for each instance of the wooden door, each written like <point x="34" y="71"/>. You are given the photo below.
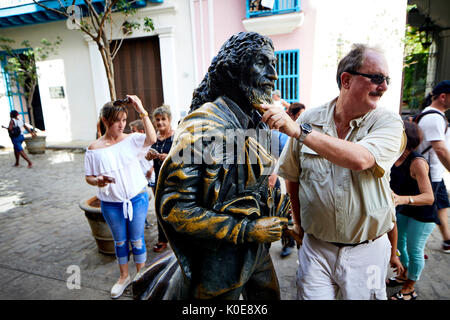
<point x="137" y="70"/>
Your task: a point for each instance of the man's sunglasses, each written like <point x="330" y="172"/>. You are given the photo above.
<point x="121" y="101"/>
<point x="374" y="78"/>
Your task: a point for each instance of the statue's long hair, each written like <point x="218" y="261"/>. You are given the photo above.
<point x="226" y="69"/>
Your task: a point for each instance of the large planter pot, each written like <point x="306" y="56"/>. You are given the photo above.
<point x="35" y="144"/>
<point x="99" y="227"/>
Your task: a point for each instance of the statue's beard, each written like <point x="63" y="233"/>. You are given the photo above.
<point x="256" y="96"/>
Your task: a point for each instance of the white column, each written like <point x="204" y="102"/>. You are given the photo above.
<point x="211" y="28"/>
<point x="194" y="42"/>
<point x="443" y="73"/>
<point x="99" y="78"/>
<point x="169" y="71"/>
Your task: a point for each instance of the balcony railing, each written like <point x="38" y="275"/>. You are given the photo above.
<point x="254" y="8"/>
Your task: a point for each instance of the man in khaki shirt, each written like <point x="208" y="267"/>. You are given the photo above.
<point x="337" y="163"/>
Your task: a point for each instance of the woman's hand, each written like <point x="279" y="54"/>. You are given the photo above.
<point x="150" y="134"/>
<point x="398" y="200"/>
<point x="151" y="154"/>
<point x="162" y="156"/>
<point x="102" y="181"/>
<point x="136" y="103"/>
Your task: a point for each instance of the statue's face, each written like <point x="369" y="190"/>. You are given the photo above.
<point x="259" y="81"/>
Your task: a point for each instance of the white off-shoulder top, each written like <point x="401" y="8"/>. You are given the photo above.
<point x="120" y="161"/>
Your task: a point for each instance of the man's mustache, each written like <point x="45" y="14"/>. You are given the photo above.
<point x="376" y="94"/>
<point x="267" y="83"/>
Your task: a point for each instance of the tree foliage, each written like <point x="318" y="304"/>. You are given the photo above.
<point x="415" y="63"/>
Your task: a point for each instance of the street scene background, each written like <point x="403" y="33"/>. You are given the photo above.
<point x="45" y="236"/>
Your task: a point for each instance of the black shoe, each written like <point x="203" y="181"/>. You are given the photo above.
<point x="446" y="246"/>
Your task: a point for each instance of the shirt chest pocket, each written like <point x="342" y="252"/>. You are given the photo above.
<point x="360" y="134"/>
<point x="314" y="166"/>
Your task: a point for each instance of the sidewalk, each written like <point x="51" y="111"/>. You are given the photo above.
<point x="44" y="232"/>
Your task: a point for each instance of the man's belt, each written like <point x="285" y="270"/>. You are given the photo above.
<point x="341" y="245"/>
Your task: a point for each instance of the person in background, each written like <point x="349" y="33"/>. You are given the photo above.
<point x="338" y="162"/>
<point x="295" y="110"/>
<point x="416" y="212"/>
<point x="278" y="101"/>
<point x="278" y="141"/>
<point x="147" y="166"/>
<point x="434" y="148"/>
<point x="163" y="117"/>
<point x="15" y="131"/>
<point x="112" y="165"/>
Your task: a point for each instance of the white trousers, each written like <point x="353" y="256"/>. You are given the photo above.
<point x="327" y="272"/>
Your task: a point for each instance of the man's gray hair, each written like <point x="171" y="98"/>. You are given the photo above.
<point x="138" y="124"/>
<point x="162" y="110"/>
<point x="353" y="60"/>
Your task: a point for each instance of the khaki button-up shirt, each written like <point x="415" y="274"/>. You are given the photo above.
<point x="338" y="204"/>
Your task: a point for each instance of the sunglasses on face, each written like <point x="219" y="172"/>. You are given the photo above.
<point x="374" y="78"/>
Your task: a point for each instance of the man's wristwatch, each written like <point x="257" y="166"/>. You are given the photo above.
<point x="411" y="200"/>
<point x="305" y="129"/>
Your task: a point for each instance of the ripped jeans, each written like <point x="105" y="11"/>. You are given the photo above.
<point x="125" y="231"/>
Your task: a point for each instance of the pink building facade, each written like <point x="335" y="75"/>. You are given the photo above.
<point x="320" y="32"/>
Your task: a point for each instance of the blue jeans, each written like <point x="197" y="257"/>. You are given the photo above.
<point x="412" y="237"/>
<point x="124" y="231"/>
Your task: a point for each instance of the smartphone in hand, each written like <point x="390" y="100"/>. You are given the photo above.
<point x="151" y="154"/>
<point x="109" y="179"/>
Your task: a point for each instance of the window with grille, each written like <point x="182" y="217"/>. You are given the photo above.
<point x="288" y="62"/>
<point x="14" y="92"/>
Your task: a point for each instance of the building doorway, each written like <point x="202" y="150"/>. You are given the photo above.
<point x="137" y="70"/>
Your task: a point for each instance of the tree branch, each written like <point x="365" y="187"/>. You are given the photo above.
<point x="64" y="13"/>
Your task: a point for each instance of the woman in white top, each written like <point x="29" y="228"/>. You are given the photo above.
<point x="15" y="129"/>
<point x="112" y="164"/>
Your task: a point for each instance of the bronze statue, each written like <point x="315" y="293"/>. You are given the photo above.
<point x="212" y="197"/>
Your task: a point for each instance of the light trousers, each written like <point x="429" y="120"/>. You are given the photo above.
<point x="327" y="272"/>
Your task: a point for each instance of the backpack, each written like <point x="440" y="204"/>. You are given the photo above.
<point x="419" y="116"/>
<point x="14" y="132"/>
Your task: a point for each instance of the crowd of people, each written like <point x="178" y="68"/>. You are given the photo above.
<point x="334" y="253"/>
<point x="366" y="188"/>
<point x="117" y="164"/>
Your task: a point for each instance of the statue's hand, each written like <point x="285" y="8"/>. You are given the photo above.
<point x="267" y="229"/>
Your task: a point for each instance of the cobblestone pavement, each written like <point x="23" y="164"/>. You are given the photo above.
<point x="43" y="232"/>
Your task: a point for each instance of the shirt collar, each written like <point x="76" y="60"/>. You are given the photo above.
<point x="330" y="116"/>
